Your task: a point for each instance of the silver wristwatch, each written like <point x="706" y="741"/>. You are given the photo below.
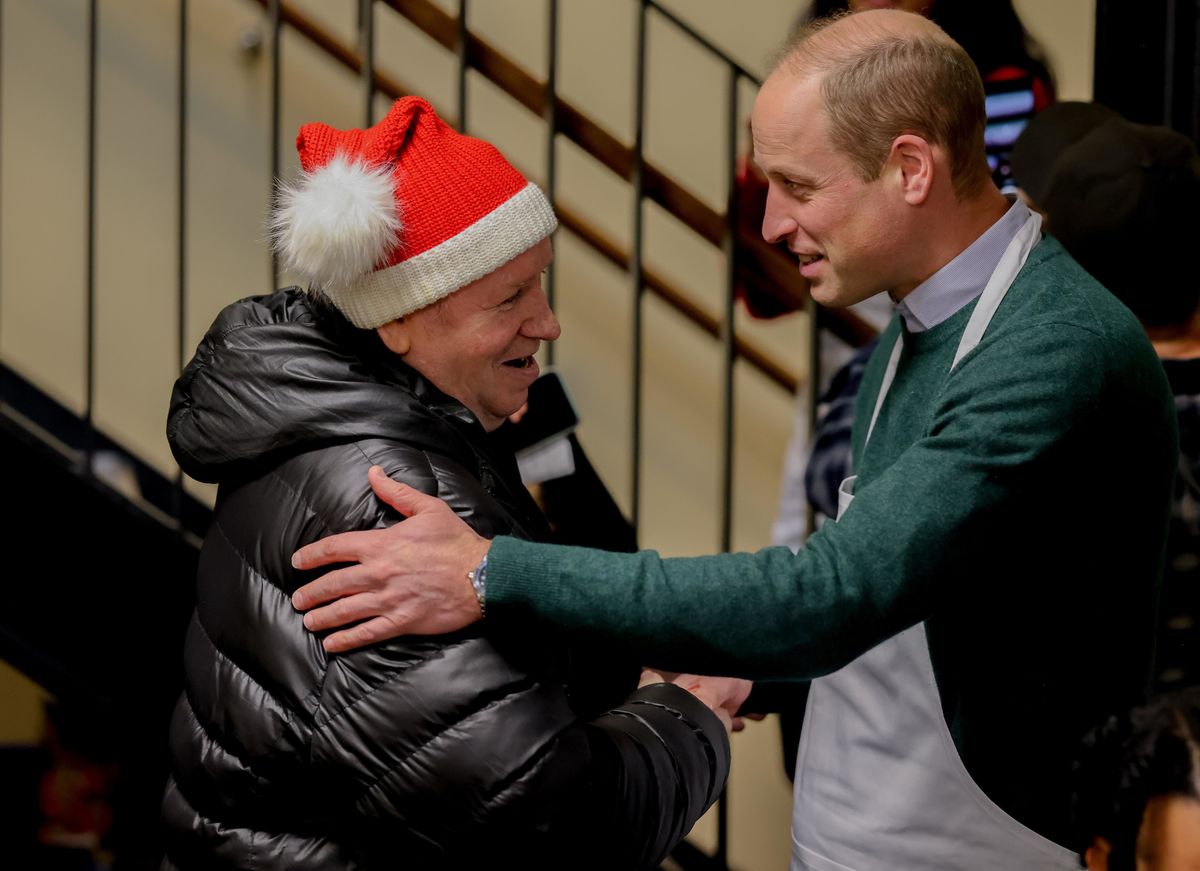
<point x="478" y="578"/>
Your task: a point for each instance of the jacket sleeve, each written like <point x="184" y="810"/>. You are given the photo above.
<point x="505" y="770"/>
<point x="658" y="762"/>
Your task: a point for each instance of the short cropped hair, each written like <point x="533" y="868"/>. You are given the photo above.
<point x="877" y="86"/>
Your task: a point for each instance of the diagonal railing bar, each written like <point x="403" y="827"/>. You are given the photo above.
<point x="610" y="250"/>
<point x="700" y="39"/>
<point x="572" y="123"/>
<point x="511" y="78"/>
<point x="346" y="55"/>
<point x="676" y="298"/>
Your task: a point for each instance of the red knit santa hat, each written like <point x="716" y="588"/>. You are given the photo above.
<point x="388" y="220"/>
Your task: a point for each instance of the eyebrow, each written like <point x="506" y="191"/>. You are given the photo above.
<point x="795" y="178"/>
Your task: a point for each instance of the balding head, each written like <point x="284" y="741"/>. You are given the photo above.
<point x="884" y="73"/>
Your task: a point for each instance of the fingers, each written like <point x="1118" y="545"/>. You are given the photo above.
<point x="403" y="498"/>
<point x="343" y="612"/>
<point x="334" y="585"/>
<point x="370" y="632"/>
<point x="345" y="547"/>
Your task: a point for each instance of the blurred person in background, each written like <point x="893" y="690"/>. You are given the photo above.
<point x="1124" y="200"/>
<point x="1137" y="793"/>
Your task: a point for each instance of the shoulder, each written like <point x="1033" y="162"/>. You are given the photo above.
<point x="1056" y="308"/>
<point x="326" y="491"/>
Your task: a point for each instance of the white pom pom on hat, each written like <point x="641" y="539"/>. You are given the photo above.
<point x="337" y="222"/>
<point x="391" y="219"/>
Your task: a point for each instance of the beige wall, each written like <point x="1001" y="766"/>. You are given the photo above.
<point x="21" y="702"/>
<point x="42" y="269"/>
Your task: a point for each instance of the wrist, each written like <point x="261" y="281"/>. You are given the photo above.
<point x="477" y="576"/>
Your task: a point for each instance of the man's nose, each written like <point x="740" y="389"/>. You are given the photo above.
<point x="777" y="223"/>
<point x="542" y="324"/>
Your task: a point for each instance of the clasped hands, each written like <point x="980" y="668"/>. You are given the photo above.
<point x="411" y="579"/>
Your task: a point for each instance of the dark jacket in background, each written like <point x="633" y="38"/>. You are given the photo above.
<point x="455" y="751"/>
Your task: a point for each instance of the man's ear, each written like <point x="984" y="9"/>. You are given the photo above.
<point x="1096" y="856"/>
<point x="912" y="158"/>
<point x="396" y="336"/>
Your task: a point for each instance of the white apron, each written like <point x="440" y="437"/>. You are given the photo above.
<point x="879" y="783"/>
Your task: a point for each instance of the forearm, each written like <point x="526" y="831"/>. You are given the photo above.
<point x="759" y="615"/>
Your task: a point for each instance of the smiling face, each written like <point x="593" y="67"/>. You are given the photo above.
<point x="477" y="344"/>
<point x="847" y="233"/>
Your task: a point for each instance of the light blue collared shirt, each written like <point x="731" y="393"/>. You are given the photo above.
<point x="963" y="278"/>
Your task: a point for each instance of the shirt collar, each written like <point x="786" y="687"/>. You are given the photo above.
<point x="962" y="279"/>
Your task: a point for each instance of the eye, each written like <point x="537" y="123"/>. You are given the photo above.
<point x="509" y="302"/>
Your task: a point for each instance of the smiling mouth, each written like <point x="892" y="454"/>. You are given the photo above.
<point x="806" y="259"/>
<point x="520" y="362"/>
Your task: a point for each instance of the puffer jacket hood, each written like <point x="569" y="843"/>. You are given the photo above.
<point x="284" y="373"/>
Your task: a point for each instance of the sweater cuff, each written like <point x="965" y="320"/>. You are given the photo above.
<point x="521" y="573"/>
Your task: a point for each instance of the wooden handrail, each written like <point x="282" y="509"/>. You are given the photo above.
<point x="676" y="298"/>
<point x="773" y="267"/>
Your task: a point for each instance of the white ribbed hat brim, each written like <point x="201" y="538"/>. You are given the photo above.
<point x="504" y="233"/>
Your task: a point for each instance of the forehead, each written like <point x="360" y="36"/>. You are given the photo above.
<point x="502" y="280"/>
<point x="788" y="121"/>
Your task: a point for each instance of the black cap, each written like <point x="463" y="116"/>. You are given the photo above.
<point x="1124" y="200"/>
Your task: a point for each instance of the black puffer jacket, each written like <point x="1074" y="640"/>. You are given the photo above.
<point x="447" y="752"/>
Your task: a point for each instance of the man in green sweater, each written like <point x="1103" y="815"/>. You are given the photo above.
<point x="989" y="594"/>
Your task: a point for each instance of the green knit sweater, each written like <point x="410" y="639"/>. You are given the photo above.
<point x="1017" y="505"/>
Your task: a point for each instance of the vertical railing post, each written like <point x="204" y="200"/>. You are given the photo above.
<point x="90" y="279"/>
<point x="732" y="219"/>
<point x="727" y="321"/>
<point x="366" y="29"/>
<point x="275" y="23"/>
<point x="181" y="241"/>
<point x="464" y="62"/>
<point x="635" y="266"/>
<point x="551" y="115"/>
<point x="812" y="385"/>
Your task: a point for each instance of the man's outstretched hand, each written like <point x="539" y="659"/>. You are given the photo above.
<point x="410" y="579"/>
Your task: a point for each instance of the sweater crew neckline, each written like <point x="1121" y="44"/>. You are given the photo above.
<point x="934" y="339"/>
